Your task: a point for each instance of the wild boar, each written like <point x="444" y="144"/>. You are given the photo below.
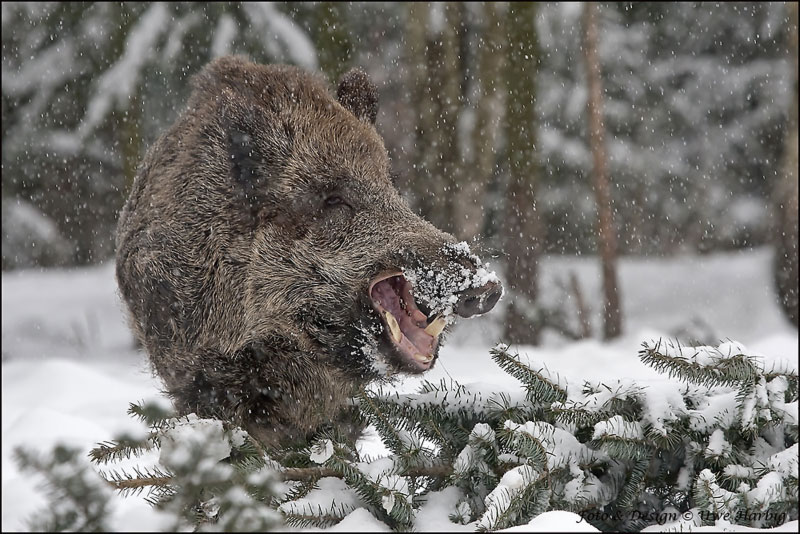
<point x="270" y="266"/>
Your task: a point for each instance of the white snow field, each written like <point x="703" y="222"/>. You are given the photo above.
<point x="70" y="368"/>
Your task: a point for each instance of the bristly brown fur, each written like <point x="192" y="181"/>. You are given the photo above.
<point x="245" y="249"/>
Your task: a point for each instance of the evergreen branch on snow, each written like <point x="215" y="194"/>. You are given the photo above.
<point x="79" y="500"/>
<point x="152" y="414"/>
<point x="316" y="516"/>
<point x="119" y="449"/>
<point x="386" y="503"/>
<point x="142" y="478"/>
<point x="520" y="495"/>
<point x="724" y="443"/>
<point x="540" y="386"/>
<point x="706" y="366"/>
<point x="406" y="445"/>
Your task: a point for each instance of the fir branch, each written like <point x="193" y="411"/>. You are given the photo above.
<point x="445" y="422"/>
<point x="152" y="414"/>
<point x="237" y="511"/>
<point x="445" y="426"/>
<point x="306" y="474"/>
<point x="579" y="415"/>
<point x="540" y="388"/>
<point x="432" y="471"/>
<point x="119" y="449"/>
<point x="248" y="457"/>
<point x="500" y="407"/>
<point x="123" y="481"/>
<point x="450" y="435"/>
<point x="316" y="517"/>
<point x="463" y="513"/>
<point x="79" y="501"/>
<point x="371" y="493"/>
<point x="749" y="407"/>
<point x="298" y="490"/>
<point x="622" y="448"/>
<point x="138" y="483"/>
<point x="506" y="507"/>
<point x="389" y="433"/>
<point x="710" y="497"/>
<point x="631" y="490"/>
<point x="573" y="414"/>
<point x="668" y="441"/>
<point x="739" y="368"/>
<point x="525" y="446"/>
<point x="127" y="483"/>
<point x="160" y="496"/>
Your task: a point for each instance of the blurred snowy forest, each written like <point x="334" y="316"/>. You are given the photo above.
<point x="474" y="98"/>
<point x="555" y="136"/>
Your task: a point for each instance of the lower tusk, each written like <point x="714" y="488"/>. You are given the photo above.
<point x="424" y="358"/>
<point x="394" y="328"/>
<point x="436" y="327"/>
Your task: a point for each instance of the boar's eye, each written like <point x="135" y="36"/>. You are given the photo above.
<point x="335" y="200"/>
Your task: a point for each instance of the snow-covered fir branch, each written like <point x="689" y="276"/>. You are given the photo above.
<point x="619" y="455"/>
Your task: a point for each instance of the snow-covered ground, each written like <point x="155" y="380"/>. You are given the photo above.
<point x="70" y="368"/>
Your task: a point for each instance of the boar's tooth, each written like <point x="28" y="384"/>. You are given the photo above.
<point x="424" y="358"/>
<point x="394" y="328"/>
<point x="436" y="327"/>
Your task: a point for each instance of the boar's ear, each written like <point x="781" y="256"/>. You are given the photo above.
<point x="357" y="93"/>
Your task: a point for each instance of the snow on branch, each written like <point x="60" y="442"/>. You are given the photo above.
<point x="117" y="84"/>
<point x="727" y="448"/>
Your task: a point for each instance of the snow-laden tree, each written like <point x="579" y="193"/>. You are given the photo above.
<point x="785" y="266"/>
<point x="712" y="443"/>
<point x="696" y="96"/>
<point x="31" y="238"/>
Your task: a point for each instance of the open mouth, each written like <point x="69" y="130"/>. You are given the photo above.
<point x="411" y="332"/>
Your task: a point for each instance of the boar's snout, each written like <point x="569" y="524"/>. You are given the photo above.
<point x="479" y="300"/>
<point x="447" y="276"/>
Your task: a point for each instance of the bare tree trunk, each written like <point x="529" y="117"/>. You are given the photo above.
<point x="448" y="92"/>
<point x="332" y="38"/>
<point x="522" y="228"/>
<point x="786" y="196"/>
<point x="606" y="234"/>
<point x="432" y="47"/>
<point x="489" y="115"/>
<point x="580" y="306"/>
<point x="417" y="72"/>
